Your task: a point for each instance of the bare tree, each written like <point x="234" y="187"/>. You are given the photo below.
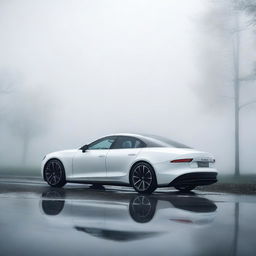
<point x="249" y="6"/>
<point x="28" y="116"/>
<point x="239" y="80"/>
<point x="8" y="82"/>
<point x="225" y="28"/>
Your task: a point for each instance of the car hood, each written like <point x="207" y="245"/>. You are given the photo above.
<point x="62" y="152"/>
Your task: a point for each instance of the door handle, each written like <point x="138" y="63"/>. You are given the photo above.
<point x="131" y="154"/>
<point x="101" y="155"/>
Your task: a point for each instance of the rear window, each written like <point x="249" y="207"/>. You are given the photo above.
<point x="158" y="141"/>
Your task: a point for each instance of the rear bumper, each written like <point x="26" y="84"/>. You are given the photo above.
<point x="194" y="179"/>
<point x="166" y="174"/>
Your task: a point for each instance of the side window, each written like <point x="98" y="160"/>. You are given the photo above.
<point x="139" y="144"/>
<point x="104" y="143"/>
<point x="127" y="142"/>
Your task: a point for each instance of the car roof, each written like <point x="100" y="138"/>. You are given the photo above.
<point x="150" y="137"/>
<point x="127" y="134"/>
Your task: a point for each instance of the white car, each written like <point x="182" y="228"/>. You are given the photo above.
<point x="144" y="162"/>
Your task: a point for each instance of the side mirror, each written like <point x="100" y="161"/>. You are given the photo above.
<point x="84" y="148"/>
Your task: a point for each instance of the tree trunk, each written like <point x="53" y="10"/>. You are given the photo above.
<point x="237" y="156"/>
<point x="237" y="91"/>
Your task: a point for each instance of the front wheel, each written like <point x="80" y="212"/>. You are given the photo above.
<point x="54" y="173"/>
<point x="143" y="178"/>
<point x="185" y="188"/>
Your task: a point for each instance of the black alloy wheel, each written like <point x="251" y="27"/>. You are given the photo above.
<point x="54" y="173"/>
<point x="143" y="178"/>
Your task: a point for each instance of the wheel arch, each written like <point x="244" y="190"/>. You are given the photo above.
<point x="142" y="161"/>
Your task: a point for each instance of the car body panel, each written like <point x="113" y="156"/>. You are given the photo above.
<point x="90" y="164"/>
<point x="65" y="156"/>
<point x="108" y="166"/>
<point x="119" y="162"/>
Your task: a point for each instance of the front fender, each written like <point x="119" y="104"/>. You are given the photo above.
<point x="66" y="158"/>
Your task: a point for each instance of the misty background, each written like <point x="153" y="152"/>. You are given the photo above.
<point x="71" y="71"/>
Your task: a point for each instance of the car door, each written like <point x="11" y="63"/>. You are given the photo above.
<point x="91" y="163"/>
<point x="121" y="155"/>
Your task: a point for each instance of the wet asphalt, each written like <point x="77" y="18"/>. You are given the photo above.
<point x="78" y="220"/>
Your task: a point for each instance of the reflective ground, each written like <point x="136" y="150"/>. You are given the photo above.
<point x="77" y="220"/>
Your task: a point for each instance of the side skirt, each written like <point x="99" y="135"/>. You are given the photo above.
<point x="113" y="183"/>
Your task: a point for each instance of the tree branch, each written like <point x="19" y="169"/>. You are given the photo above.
<point x="248" y="78"/>
<point x="247" y="103"/>
<point x="228" y="97"/>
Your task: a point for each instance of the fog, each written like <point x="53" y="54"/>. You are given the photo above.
<point x="71" y="71"/>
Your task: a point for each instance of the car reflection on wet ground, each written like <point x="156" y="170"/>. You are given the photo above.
<point x="77" y="220"/>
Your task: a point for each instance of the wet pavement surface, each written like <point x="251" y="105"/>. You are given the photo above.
<point x="77" y="220"/>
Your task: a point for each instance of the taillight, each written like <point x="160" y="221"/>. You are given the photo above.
<point x="184" y="160"/>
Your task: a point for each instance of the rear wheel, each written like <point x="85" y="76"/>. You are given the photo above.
<point x="143" y="178"/>
<point x="185" y="188"/>
<point x="54" y="173"/>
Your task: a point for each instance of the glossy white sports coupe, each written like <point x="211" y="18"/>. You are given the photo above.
<point x="144" y="162"/>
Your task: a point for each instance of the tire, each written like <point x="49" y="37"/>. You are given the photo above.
<point x="143" y="178"/>
<point x="185" y="188"/>
<point x="54" y="173"/>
